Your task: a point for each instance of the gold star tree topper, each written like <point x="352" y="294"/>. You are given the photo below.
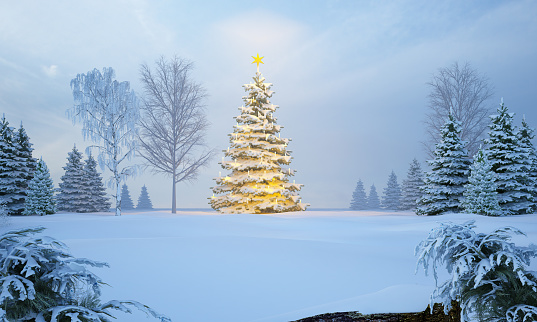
<point x="257" y="60"/>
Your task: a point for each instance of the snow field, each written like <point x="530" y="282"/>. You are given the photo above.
<point x="203" y="266"/>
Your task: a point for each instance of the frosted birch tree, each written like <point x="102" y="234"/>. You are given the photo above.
<point x="173" y="126"/>
<point x="108" y="111"/>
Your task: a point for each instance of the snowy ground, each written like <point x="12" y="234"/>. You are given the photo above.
<point x="201" y="266"/>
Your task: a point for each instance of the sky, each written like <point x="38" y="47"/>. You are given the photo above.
<point x="350" y="77"/>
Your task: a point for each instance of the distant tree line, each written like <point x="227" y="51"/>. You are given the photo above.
<point x="500" y="179"/>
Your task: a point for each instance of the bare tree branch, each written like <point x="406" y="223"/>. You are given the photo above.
<point x="173" y="124"/>
<point x="466" y="92"/>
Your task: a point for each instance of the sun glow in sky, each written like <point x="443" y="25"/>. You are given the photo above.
<point x="349" y="76"/>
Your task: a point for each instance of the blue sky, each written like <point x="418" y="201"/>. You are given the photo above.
<point x="349" y="76"/>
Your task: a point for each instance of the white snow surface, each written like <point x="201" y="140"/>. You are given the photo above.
<point x="205" y="266"/>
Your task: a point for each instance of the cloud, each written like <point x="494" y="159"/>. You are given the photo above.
<point x="50" y="71"/>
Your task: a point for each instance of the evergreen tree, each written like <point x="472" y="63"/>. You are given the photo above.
<point x="359" y="198"/>
<point x="126" y="201"/>
<point x="392" y="193"/>
<point x="510" y="162"/>
<point x="525" y="136"/>
<point x="12" y="171"/>
<point x="26" y="166"/>
<point x="143" y="201"/>
<point x="99" y="202"/>
<point x="40" y="193"/>
<point x="373" y="201"/>
<point x="411" y="190"/>
<point x="74" y="193"/>
<point x="444" y="184"/>
<point x="480" y="196"/>
<point x="257" y="183"/>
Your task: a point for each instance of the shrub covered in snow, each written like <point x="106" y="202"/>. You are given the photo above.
<point x="489" y="273"/>
<point x="41" y="281"/>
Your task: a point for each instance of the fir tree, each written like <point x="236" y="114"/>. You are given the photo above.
<point x="525" y="136"/>
<point x="392" y="193"/>
<point x="411" y="190"/>
<point x="359" y="198"/>
<point x="74" y="193"/>
<point x="510" y="162"/>
<point x="373" y="201"/>
<point x="143" y="201"/>
<point x="40" y="193"/>
<point x="26" y="166"/>
<point x="99" y="202"/>
<point x="480" y="196"/>
<point x="257" y="182"/>
<point x="126" y="201"/>
<point x="12" y="171"/>
<point x="444" y="184"/>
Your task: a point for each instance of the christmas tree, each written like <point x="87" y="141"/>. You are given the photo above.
<point x="480" y="196"/>
<point x="40" y="193"/>
<point x="373" y="201"/>
<point x="98" y="201"/>
<point x="126" y="201"/>
<point x="511" y="163"/>
<point x="411" y="190"/>
<point x="392" y="193"/>
<point x="143" y="201"/>
<point x="359" y="198"/>
<point x="257" y="183"/>
<point x="444" y="184"/>
<point x="74" y="193"/>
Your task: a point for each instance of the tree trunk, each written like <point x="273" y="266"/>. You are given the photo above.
<point x="118" y="197"/>
<point x="174" y="201"/>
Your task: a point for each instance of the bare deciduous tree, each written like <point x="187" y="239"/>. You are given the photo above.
<point x="466" y="92"/>
<point x="173" y="123"/>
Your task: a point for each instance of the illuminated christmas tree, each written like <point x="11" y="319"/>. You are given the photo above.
<point x="257" y="183"/>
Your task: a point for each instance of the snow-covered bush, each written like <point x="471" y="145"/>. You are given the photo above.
<point x="489" y="273"/>
<point x="41" y="281"/>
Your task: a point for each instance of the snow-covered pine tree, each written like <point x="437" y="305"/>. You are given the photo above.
<point x="480" y="196"/>
<point x="392" y="193"/>
<point x="126" y="201"/>
<point x="525" y="136"/>
<point x="12" y="168"/>
<point x="74" y="190"/>
<point x="359" y="198"/>
<point x="257" y="183"/>
<point x="99" y="202"/>
<point x="444" y="184"/>
<point x="26" y="167"/>
<point x="143" y="201"/>
<point x="41" y="281"/>
<point x="510" y="162"/>
<point x="411" y="190"/>
<point x="40" y="194"/>
<point x="373" y="201"/>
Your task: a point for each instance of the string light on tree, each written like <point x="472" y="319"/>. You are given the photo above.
<point x="257" y="182"/>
